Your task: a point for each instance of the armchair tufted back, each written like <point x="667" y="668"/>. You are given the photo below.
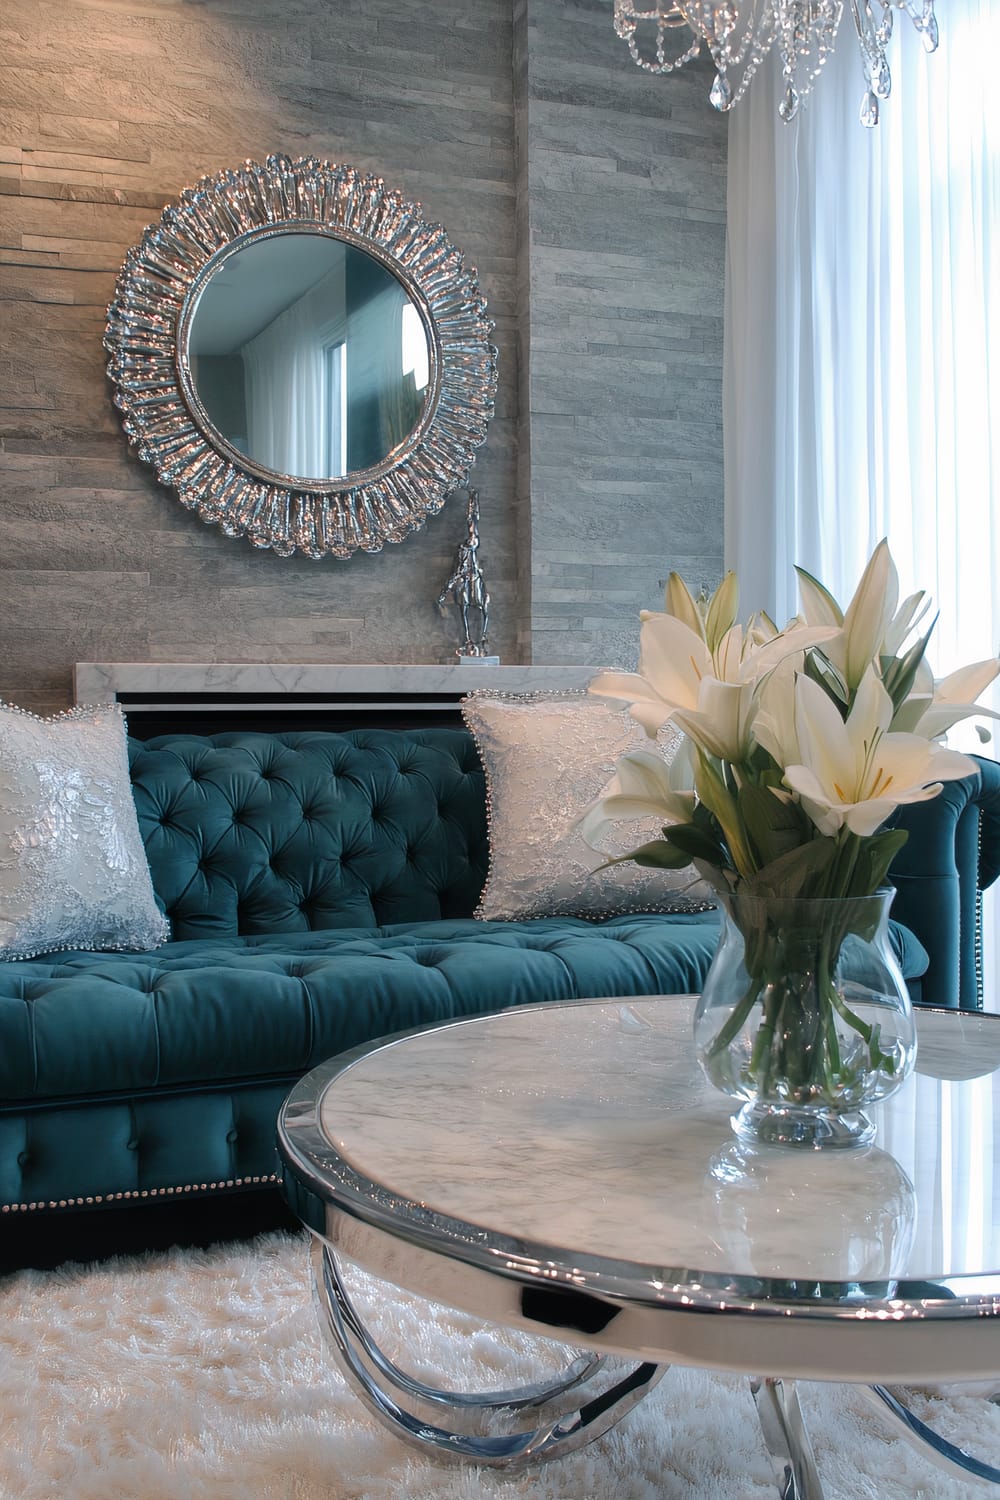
<point x="266" y="833"/>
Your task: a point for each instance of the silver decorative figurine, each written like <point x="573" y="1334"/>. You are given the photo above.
<point x="467" y="587"/>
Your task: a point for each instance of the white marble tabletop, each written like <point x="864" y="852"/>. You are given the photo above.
<point x="589" y="1127"/>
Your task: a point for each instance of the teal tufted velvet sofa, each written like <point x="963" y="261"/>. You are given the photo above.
<point x="320" y="889"/>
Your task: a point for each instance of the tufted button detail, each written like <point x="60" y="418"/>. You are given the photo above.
<point x="23" y="1158"/>
<point x="232" y="1135"/>
<point x="132" y="1144"/>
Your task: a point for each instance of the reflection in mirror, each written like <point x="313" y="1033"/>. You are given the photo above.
<point x="307" y="356"/>
<point x="303" y="357"/>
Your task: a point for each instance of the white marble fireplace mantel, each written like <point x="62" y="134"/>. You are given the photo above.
<point x="221" y="685"/>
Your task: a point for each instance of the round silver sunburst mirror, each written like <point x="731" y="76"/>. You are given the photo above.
<point x="302" y="357"/>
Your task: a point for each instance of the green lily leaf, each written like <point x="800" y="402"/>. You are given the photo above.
<point x="718" y="796"/>
<point x="696" y="843"/>
<point x="723" y="880"/>
<point x="875" y="855"/>
<point x="899" y="672"/>
<point x="765" y="769"/>
<point x="796" y="873"/>
<point x="775" y="825"/>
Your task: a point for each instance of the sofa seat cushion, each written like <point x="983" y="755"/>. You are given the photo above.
<point x="84" y="1024"/>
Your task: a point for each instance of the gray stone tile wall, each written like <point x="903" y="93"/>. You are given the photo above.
<point x="626" y="211"/>
<point x="588" y="196"/>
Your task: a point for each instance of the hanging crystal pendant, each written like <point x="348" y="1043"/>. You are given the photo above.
<point x="721" y="95"/>
<point x="929" y="33"/>
<point x="662" y="35"/>
<point x="788" y="108"/>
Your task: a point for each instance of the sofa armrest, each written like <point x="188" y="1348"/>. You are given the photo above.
<point x="951" y="856"/>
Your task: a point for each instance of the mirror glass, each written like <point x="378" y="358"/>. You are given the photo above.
<point x="307" y="356"/>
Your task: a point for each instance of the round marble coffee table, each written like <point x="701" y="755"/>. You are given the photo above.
<point x="567" y="1170"/>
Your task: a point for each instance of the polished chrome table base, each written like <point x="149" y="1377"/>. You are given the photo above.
<point x="366" y="1368"/>
<point x="787" y="1439"/>
<point x="954" y="1461"/>
<point x="371" y="1374"/>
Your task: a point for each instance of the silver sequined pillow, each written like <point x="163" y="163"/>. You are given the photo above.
<point x="73" y="870"/>
<point x="546" y="758"/>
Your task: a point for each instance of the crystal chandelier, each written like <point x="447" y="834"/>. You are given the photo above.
<point x="663" y="35"/>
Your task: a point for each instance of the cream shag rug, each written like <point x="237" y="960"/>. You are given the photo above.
<point x="202" y="1375"/>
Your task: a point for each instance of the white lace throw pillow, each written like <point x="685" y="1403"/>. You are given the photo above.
<point x="73" y="870"/>
<point x="546" y="758"/>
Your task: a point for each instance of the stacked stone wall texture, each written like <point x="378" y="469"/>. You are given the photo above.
<point x="590" y="199"/>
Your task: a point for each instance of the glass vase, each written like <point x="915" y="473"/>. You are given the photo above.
<point x="805" y="1016"/>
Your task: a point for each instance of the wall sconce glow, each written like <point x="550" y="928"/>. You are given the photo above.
<point x="663" y="35"/>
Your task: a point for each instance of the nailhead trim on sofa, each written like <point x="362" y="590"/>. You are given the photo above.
<point x="267" y="1180"/>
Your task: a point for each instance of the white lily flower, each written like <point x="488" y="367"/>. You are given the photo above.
<point x="749" y="656"/>
<point x="761" y="628"/>
<point x="721" y="723"/>
<point x="871" y="626"/>
<point x="869" y="615"/>
<point x="643" y="786"/>
<point x="681" y="603"/>
<point x="951" y="699"/>
<point x="907" y="617"/>
<point x="774" y="722"/>
<point x="674" y="661"/>
<point x="722" y="609"/>
<point x="819" y="607"/>
<point x="855" y="772"/>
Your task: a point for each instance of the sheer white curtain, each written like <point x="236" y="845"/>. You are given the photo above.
<point x="286" y="395"/>
<point x="292" y="416"/>
<point x="862" y="353"/>
<point x="863" y="303"/>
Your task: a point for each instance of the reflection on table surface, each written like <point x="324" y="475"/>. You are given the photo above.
<point x="589" y="1127"/>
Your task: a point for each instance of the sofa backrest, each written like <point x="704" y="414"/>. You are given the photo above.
<point x="265" y="833"/>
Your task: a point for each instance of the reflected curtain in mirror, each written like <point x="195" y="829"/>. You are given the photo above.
<point x="327" y="385"/>
<point x="293" y="421"/>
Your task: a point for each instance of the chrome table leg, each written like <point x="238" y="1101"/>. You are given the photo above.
<point x="787" y="1439"/>
<point x="365" y="1367"/>
<point x="954" y="1460"/>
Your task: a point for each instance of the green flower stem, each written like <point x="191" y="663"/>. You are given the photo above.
<point x="738" y="1015"/>
<point x="869" y="1034"/>
<point x="796" y="1052"/>
<point x="761" y="1058"/>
